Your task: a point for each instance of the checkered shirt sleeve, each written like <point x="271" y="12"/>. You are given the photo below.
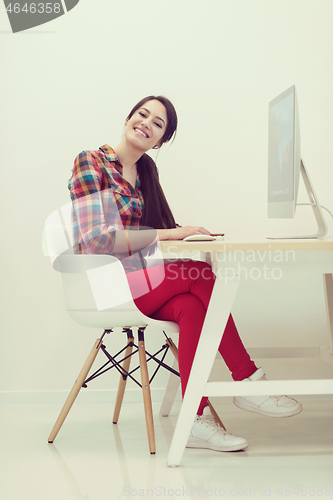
<point x="103" y="201"/>
<point x="94" y="227"/>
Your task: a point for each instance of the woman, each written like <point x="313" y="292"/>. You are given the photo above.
<point x="126" y="178"/>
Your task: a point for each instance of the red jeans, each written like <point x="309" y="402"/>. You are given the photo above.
<point x="183" y="297"/>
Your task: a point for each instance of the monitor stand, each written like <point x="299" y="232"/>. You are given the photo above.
<point x="322" y="226"/>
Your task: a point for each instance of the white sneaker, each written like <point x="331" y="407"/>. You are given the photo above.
<point x="206" y="433"/>
<point x="270" y="406"/>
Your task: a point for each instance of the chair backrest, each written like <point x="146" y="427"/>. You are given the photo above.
<point x="57" y="236"/>
<point x="91" y="282"/>
<point x="96" y="290"/>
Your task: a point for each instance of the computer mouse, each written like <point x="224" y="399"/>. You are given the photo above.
<point x="200" y="237"/>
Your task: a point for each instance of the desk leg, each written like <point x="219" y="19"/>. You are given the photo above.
<point x="328" y="289"/>
<point x="221" y="301"/>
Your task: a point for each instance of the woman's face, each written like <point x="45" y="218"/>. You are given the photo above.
<point x="147" y="125"/>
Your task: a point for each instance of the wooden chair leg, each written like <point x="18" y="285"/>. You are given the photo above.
<point x="170" y="392"/>
<point x="75" y="390"/>
<point x="173" y="382"/>
<point x="146" y="394"/>
<point x="123" y="381"/>
<point x="174" y="350"/>
<point x="215" y="415"/>
<point x="173" y="347"/>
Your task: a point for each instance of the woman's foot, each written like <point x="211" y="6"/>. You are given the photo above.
<point x="207" y="434"/>
<point x="270" y="406"/>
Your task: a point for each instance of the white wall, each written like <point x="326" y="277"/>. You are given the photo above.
<point x="68" y="86"/>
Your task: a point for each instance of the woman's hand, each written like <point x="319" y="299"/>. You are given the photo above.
<point x="179" y="233"/>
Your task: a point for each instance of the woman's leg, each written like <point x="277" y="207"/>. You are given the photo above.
<point x="183" y="297"/>
<point x="188" y="311"/>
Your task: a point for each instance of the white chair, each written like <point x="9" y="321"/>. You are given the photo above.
<point x="97" y="295"/>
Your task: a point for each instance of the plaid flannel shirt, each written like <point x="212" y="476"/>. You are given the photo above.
<point x="103" y="201"/>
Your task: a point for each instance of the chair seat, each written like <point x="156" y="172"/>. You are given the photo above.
<point x="110" y="319"/>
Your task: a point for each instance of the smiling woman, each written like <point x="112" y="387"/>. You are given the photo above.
<point x="114" y="190"/>
<point x="166" y="108"/>
<point x="151" y="123"/>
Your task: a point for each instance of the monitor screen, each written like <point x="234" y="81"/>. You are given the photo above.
<point x="283" y="155"/>
<point x="281" y="151"/>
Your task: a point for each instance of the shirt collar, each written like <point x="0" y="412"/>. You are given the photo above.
<point x="109" y="153"/>
<point x="111" y="156"/>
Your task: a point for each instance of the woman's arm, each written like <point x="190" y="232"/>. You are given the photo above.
<point x="179" y="233"/>
<point x="143" y="238"/>
<point x="89" y="225"/>
<point x="99" y="235"/>
<point x="128" y="241"/>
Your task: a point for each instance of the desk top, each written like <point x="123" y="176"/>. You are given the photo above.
<point x="233" y="244"/>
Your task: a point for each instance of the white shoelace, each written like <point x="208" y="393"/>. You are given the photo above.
<point x="274" y="398"/>
<point x="209" y="420"/>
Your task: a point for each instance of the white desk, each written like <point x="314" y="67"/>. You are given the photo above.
<point x="230" y="259"/>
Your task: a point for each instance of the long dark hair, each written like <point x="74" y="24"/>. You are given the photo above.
<point x="156" y="211"/>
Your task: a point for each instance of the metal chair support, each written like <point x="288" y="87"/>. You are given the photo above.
<point x="112" y="360"/>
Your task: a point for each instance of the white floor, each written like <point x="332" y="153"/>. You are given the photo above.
<point x="92" y="459"/>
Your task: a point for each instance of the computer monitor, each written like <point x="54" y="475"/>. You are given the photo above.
<point x="283" y="155"/>
<point x="285" y="163"/>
